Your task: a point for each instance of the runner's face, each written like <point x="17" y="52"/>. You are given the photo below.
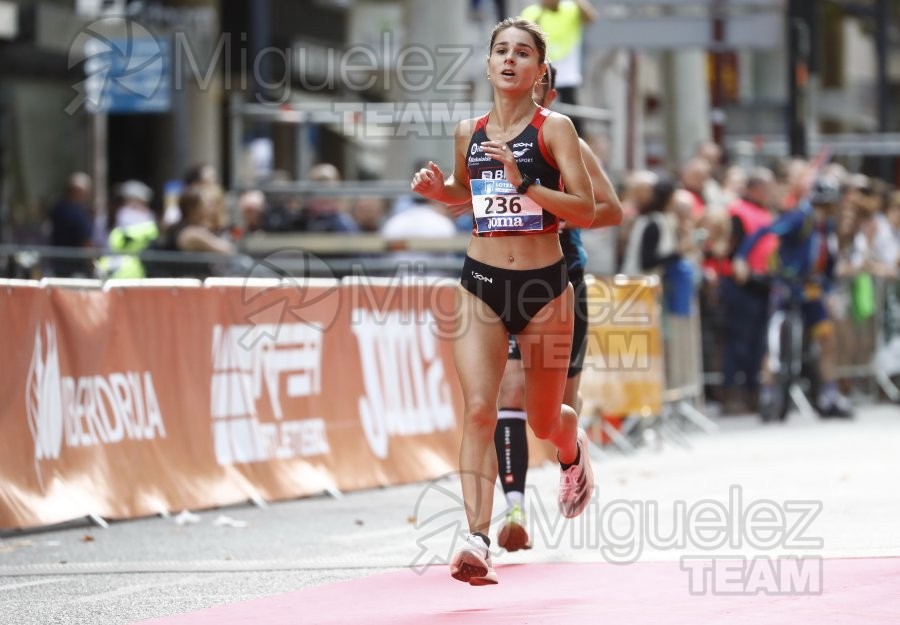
<point x="514" y="63"/>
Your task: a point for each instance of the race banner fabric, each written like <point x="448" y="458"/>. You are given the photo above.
<point x="624" y="367"/>
<point x="128" y="401"/>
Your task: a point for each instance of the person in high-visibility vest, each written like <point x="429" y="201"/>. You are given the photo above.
<point x="128" y="241"/>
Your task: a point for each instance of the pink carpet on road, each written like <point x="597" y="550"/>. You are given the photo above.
<point x="853" y="591"/>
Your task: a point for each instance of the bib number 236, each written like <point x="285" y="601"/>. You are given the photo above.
<point x="498" y="208"/>
<point x="502" y="204"/>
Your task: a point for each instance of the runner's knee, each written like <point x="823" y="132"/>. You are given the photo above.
<point x="481" y="415"/>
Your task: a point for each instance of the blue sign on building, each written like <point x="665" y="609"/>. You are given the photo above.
<point x="128" y="75"/>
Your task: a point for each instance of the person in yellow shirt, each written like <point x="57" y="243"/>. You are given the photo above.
<point x="563" y="24"/>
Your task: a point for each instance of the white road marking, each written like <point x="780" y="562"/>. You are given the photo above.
<point x="134" y="589"/>
<point x="39" y="582"/>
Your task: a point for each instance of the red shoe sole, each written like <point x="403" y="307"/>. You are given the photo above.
<point x="513" y="538"/>
<point x="484" y="581"/>
<point x="467" y="565"/>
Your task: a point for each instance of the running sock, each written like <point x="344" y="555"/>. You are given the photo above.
<point x="487" y="541"/>
<point x="515" y="498"/>
<point x="511" y="443"/>
<point x="566" y="467"/>
<point x="512" y="413"/>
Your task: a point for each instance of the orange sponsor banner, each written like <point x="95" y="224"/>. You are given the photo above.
<point x="144" y="398"/>
<point x="131" y="401"/>
<point x="624" y="367"/>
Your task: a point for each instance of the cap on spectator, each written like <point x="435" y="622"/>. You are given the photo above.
<point x="825" y="190"/>
<point x="135" y="189"/>
<point x="79" y="181"/>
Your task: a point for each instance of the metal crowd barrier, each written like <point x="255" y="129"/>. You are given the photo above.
<point x="684" y="398"/>
<point x="868" y="341"/>
<point x="868" y="347"/>
<point x="265" y="255"/>
<point x="670" y="402"/>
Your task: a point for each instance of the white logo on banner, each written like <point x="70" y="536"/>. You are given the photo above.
<point x="43" y="400"/>
<point x="406" y="390"/>
<point x="88" y="410"/>
<point x="291" y="352"/>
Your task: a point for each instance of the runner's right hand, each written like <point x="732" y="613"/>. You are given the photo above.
<point x="428" y="181"/>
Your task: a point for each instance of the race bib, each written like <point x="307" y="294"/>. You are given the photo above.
<point x="498" y="208"/>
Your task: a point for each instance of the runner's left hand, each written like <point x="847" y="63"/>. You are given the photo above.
<point x="499" y="151"/>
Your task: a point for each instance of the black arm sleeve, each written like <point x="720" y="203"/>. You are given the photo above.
<point x="737" y="235"/>
<point x="649" y="245"/>
<point x="649" y="242"/>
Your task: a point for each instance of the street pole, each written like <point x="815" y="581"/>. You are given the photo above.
<point x="799" y="52"/>
<point x="5" y="235"/>
<point x="882" y="21"/>
<point x="100" y="164"/>
<point x="718" y="96"/>
<point x="631" y="135"/>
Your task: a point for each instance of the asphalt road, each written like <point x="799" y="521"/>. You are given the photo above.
<point x="153" y="567"/>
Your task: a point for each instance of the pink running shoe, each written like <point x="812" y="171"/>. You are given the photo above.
<point x="576" y="484"/>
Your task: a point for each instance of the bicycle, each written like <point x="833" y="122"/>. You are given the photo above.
<point x="792" y="355"/>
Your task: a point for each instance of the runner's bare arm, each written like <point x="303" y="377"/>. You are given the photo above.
<point x="607" y="207"/>
<point x="576" y="203"/>
<point x="430" y="181"/>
